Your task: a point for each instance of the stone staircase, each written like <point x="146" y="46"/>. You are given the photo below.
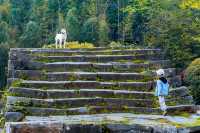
<point x="51" y="82"/>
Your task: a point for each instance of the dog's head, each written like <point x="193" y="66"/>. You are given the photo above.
<point x="63" y="31"/>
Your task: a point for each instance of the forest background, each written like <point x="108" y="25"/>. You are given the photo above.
<point x="172" y="25"/>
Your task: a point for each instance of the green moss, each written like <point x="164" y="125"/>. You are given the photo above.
<point x="23" y="75"/>
<point x="192" y="124"/>
<point x="72" y="77"/>
<point x="184" y="114"/>
<point x="77" y="92"/>
<point x="19" y="109"/>
<point x="16" y="83"/>
<point x="138" y="61"/>
<point x="2" y="121"/>
<point x="24" y="103"/>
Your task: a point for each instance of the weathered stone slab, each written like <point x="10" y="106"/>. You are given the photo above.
<point x="121" y="128"/>
<point x="181" y="92"/>
<point x="102" y="123"/>
<point x="105" y="93"/>
<point x="96" y="58"/>
<point x="93" y="51"/>
<point x="183" y="108"/>
<point x="13" y="116"/>
<point x="88" y="84"/>
<point x="103" y="67"/>
<point x="39" y="111"/>
<point x="99" y="76"/>
<point x="37" y="127"/>
<point x="78" y="102"/>
<point x="26" y="65"/>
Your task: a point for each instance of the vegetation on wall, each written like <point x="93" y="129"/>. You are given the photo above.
<point x="193" y="78"/>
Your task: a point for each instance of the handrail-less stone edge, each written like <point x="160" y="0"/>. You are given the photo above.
<point x="95" y="124"/>
<point x="77" y="50"/>
<point x="118" y="76"/>
<point x="83" y="110"/>
<point x="39" y="93"/>
<point x="177" y="92"/>
<point x="78" y="102"/>
<point x="17" y="54"/>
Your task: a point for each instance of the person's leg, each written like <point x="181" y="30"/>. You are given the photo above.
<point x="163" y="106"/>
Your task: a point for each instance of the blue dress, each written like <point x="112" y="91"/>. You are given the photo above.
<point x="162" y="89"/>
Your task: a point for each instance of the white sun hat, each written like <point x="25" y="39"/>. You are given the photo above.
<point x="160" y="72"/>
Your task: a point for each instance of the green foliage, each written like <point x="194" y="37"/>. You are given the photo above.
<point x="73" y="25"/>
<point x="30" y="37"/>
<point x="103" y="31"/>
<point x="115" y="44"/>
<point x="3" y="64"/>
<point x="89" y="30"/>
<point x="3" y="32"/>
<point x="172" y="25"/>
<point x="2" y="121"/>
<point x="175" y="30"/>
<point x="193" y="78"/>
<point x="72" y="45"/>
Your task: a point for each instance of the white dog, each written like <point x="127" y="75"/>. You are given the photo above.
<point x="61" y="38"/>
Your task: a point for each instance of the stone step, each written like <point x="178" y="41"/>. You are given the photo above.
<point x="87" y="66"/>
<point x="51" y="94"/>
<point x="78" y="102"/>
<point x="136" y="86"/>
<point x="69" y="52"/>
<point x="104" y="67"/>
<point x="110" y="117"/>
<point x="94" y="93"/>
<point x="82" y="84"/>
<point x="182" y="108"/>
<point x="171" y="101"/>
<point x="180" y="92"/>
<point x="173" y="98"/>
<point x="34" y="111"/>
<point x="97" y="58"/>
<point x="106" y="123"/>
<point x="99" y="76"/>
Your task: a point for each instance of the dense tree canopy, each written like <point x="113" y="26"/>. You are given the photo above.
<point x="169" y="24"/>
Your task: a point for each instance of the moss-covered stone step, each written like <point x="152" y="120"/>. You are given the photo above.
<point x="98" y="76"/>
<point x="67" y="52"/>
<point x="85" y="84"/>
<point x="51" y="94"/>
<point x="71" y="76"/>
<point x="189" y="108"/>
<point x="87" y="66"/>
<point x="178" y="93"/>
<point x="78" y="102"/>
<point x="35" y="111"/>
<point x="137" y="86"/>
<point x="107" y="123"/>
<point x="98" y="58"/>
<point x="104" y="67"/>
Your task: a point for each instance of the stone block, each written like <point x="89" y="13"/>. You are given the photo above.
<point x="13" y="116"/>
